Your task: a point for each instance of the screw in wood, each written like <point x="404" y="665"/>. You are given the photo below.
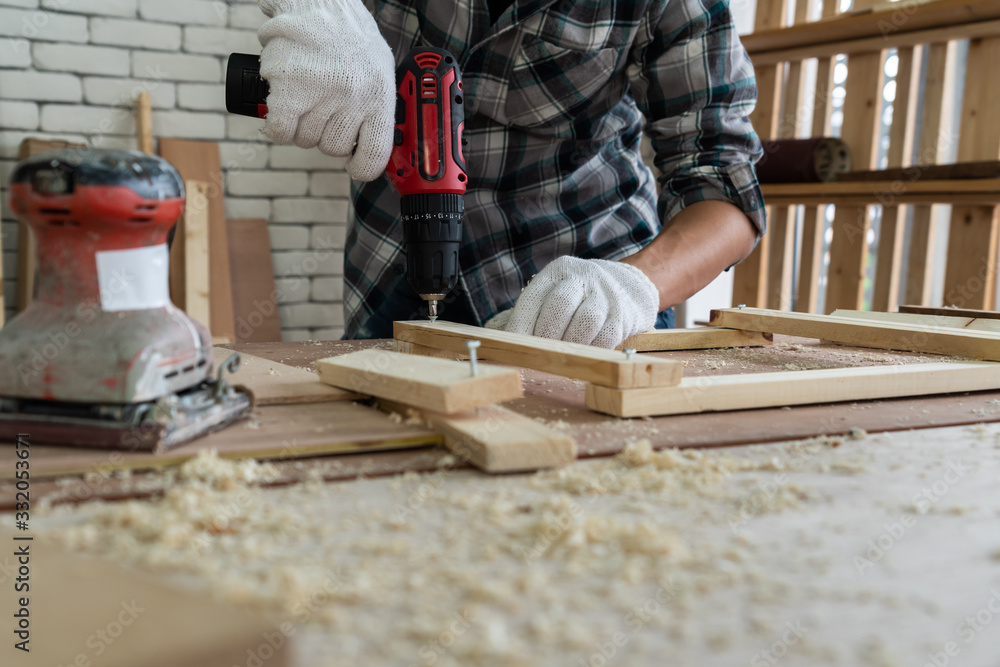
<point x="628" y="353"/>
<point x="741" y="306"/>
<point x="471" y="346"/>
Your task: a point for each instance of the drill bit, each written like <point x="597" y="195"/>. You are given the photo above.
<point x="432" y="310"/>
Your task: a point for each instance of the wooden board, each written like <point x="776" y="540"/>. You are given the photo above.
<point x="744" y="392"/>
<point x="424" y="351"/>
<point x="274" y="383"/>
<point x="496" y="439"/>
<point x="85" y="611"/>
<point x="581" y="362"/>
<point x="699" y="338"/>
<point x="434" y="384"/>
<point x="272" y="432"/>
<point x="200" y="161"/>
<point x="255" y="299"/>
<point x="934" y="172"/>
<point x="196" y="257"/>
<point x="881" y="335"/>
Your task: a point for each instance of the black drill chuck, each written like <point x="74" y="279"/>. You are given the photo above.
<point x="432" y="235"/>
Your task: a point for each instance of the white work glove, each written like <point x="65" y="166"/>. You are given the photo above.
<point x="332" y="79"/>
<point x="589" y="301"/>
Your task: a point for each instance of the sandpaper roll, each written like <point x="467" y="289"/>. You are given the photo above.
<point x="815" y="160"/>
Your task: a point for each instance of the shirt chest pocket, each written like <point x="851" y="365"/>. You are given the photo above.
<point x="551" y="80"/>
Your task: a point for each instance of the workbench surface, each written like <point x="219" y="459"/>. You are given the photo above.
<point x="867" y="549"/>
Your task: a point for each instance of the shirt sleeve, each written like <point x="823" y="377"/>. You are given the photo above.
<point x="693" y="81"/>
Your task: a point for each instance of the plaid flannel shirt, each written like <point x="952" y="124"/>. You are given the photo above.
<point x="556" y="97"/>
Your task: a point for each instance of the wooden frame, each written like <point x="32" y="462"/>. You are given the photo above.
<point x="698" y="338"/>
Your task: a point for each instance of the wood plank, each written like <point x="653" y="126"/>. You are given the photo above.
<point x="751" y="275"/>
<point x="255" y="298"/>
<point x="496" y="439"/>
<point x="144" y="123"/>
<point x="195" y="234"/>
<point x="971" y="268"/>
<point x="423" y="350"/>
<point x="26" y="252"/>
<point x="883" y="24"/>
<point x="763" y="390"/>
<point x="272" y="432"/>
<point x="862" y="116"/>
<point x="885" y="336"/>
<point x="935" y="172"/>
<point x="435" y="384"/>
<point x="274" y="383"/>
<point x="699" y="338"/>
<point x="938" y="110"/>
<point x="957" y="312"/>
<point x="913" y="319"/>
<point x="73" y="596"/>
<point x="581" y="362"/>
<point x="200" y="161"/>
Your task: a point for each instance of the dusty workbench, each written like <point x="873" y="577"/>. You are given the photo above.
<point x="864" y="549"/>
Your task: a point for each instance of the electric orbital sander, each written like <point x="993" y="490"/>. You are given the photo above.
<point x="101" y="357"/>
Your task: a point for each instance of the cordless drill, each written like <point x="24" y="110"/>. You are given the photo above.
<point x="426" y="166"/>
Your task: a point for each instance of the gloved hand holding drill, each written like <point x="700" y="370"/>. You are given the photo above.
<point x="332" y="81"/>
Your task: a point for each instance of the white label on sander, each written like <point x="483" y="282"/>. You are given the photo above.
<point x="133" y="279"/>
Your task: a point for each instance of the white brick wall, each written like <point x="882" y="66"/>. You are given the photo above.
<point x="71" y="69"/>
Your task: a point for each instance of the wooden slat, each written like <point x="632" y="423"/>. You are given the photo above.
<point x="938" y="110"/>
<point x="195" y="235"/>
<point x="892" y="231"/>
<point x="971" y="268"/>
<point x="884" y="24"/>
<point x="699" y="338"/>
<point x="498" y="440"/>
<point x="751" y="275"/>
<point x="273" y="383"/>
<point x="885" y="192"/>
<point x="763" y="390"/>
<point x="849" y="246"/>
<point x="255" y="300"/>
<point x="929" y="340"/>
<point x="144" y="123"/>
<point x="934" y="172"/>
<point x="814" y="217"/>
<point x="434" y="384"/>
<point x="916" y="320"/>
<point x="581" y="362"/>
<point x="200" y="161"/>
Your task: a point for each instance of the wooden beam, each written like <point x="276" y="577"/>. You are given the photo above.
<point x="435" y="384"/>
<point x="497" y="440"/>
<point x="765" y="390"/>
<point x="985" y="190"/>
<point x="699" y="338"/>
<point x="273" y="383"/>
<point x="957" y="312"/>
<point x="424" y="351"/>
<point x="936" y="172"/>
<point x="885" y="336"/>
<point x="884" y="25"/>
<point x="582" y="362"/>
<point x="197" y="298"/>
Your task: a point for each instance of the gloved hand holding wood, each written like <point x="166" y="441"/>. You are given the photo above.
<point x="589" y="301"/>
<point x="332" y="79"/>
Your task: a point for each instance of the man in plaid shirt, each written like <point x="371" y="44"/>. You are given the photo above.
<point x="565" y="235"/>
